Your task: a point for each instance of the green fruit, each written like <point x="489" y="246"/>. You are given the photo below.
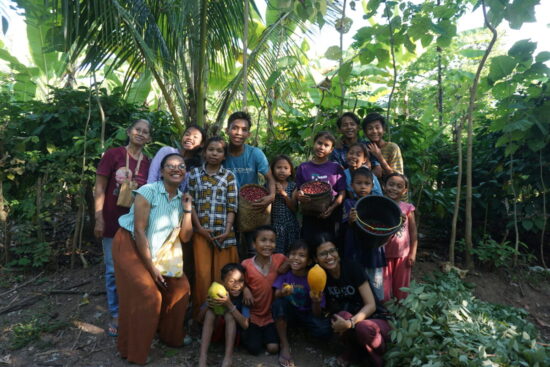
<point x="213" y="292"/>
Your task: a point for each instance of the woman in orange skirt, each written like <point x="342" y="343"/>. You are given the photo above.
<point x="148" y="301"/>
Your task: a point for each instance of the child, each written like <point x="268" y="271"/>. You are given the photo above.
<point x="348" y="125"/>
<point x="373" y="261"/>
<point x="320" y="168"/>
<point x="294" y="302"/>
<point x="283" y="217"/>
<point x="358" y="156"/>
<point x="214" y="193"/>
<point x="261" y="271"/>
<point x="246" y="162"/>
<point x="387" y="153"/>
<point x="401" y="248"/>
<point x="236" y="314"/>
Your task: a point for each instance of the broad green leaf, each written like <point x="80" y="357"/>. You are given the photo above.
<point x="504" y="90"/>
<point x="472" y="53"/>
<point x="521" y="11"/>
<point x="522" y="50"/>
<point x="139" y="90"/>
<point x="345" y="71"/>
<point x="343" y="25"/>
<point x="543" y="56"/>
<point x="333" y="53"/>
<point x="501" y="66"/>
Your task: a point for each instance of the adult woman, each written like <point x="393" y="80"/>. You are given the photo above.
<point x="116" y="166"/>
<point x="191" y="145"/>
<point x="356" y="314"/>
<point x="149" y="301"/>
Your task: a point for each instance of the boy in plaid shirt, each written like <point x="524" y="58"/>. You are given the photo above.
<point x="214" y="192"/>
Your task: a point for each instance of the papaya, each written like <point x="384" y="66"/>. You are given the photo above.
<point x="317" y="278"/>
<point x="215" y="289"/>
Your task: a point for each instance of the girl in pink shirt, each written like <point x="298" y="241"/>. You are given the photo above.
<point x="401" y="248"/>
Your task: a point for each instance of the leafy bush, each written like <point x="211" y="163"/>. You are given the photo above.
<point x="442" y="324"/>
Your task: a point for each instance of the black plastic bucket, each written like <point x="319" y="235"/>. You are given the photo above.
<point x="378" y="218"/>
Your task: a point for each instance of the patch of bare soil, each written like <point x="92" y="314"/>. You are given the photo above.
<point x="59" y="319"/>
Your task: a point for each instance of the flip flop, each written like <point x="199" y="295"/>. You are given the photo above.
<point x="286" y="361"/>
<point x="112" y="330"/>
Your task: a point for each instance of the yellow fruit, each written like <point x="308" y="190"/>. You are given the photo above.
<point x="317" y="278"/>
<point x="287" y="287"/>
<point x="213" y="292"/>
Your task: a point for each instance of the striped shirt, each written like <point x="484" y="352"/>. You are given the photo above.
<point x="392" y="155"/>
<point x="164" y="215"/>
<point x="214" y="197"/>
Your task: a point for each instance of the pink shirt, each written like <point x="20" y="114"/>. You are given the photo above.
<point x="261" y="287"/>
<point x="400" y="244"/>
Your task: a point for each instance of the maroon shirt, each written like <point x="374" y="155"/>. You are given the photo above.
<point x="113" y="166"/>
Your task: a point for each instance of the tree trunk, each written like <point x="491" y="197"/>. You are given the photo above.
<point x="458" y="191"/>
<point x="516" y="229"/>
<point x="394" y="82"/>
<point x="543" y="186"/>
<point x="201" y="71"/>
<point x="341" y="60"/>
<point x="245" y="53"/>
<point x="469" y="152"/>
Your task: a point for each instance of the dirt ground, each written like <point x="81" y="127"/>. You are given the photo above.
<point x="66" y="312"/>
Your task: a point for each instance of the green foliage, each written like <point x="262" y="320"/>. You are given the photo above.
<point x="42" y="153"/>
<point x="442" y="324"/>
<point x="26" y="332"/>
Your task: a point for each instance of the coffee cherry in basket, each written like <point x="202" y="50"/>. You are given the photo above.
<point x="253" y="193"/>
<point x="315" y="187"/>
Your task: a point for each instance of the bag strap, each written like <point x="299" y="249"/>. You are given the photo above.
<point x="138" y="162"/>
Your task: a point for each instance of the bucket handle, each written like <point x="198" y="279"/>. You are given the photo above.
<point x="380" y="229"/>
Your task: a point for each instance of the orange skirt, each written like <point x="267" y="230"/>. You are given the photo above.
<point x="208" y="265"/>
<point x="143" y="308"/>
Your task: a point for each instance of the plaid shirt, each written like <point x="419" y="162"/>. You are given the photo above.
<point x="214" y="196"/>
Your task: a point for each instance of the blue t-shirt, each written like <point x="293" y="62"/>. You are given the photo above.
<point x="376" y="188"/>
<point x="354" y="250"/>
<point x="247" y="165"/>
<point x="300" y="292"/>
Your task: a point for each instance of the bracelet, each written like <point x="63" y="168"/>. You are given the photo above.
<point x="352" y="324"/>
<point x="187" y="211"/>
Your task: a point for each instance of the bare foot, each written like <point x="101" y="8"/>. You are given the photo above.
<point x="227" y="361"/>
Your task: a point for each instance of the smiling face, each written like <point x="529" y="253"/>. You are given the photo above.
<point x="238" y="132"/>
<point x="139" y="134"/>
<point x="215" y="153"/>
<point x="395" y="188"/>
<point x="374" y="131"/>
<point x="298" y="259"/>
<point x="362" y="185"/>
<point x="282" y="170"/>
<point x="327" y="256"/>
<point x="349" y="128"/>
<point x="355" y="157"/>
<point x="322" y="147"/>
<point x="192" y="139"/>
<point x="173" y="171"/>
<point x="264" y="244"/>
<point x="234" y="282"/>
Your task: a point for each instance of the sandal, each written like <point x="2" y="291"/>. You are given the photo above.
<point x="286" y="361"/>
<point x="112" y="329"/>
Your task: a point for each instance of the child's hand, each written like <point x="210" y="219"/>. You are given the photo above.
<point x="221" y="238"/>
<point x="327" y="212"/>
<point x="248" y="299"/>
<point x="339" y="324"/>
<point x="411" y="259"/>
<point x="287" y="290"/>
<point x="207" y="233"/>
<point x="316" y="297"/>
<point x="263" y="203"/>
<point x="301" y="196"/>
<point x="352" y="215"/>
<point x="280" y="190"/>
<point x="284" y="267"/>
<point x="374" y="150"/>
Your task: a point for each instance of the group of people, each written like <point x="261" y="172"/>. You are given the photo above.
<point x="194" y="189"/>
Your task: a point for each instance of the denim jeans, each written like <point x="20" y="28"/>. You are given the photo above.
<point x="110" y="284"/>
<point x="318" y="327"/>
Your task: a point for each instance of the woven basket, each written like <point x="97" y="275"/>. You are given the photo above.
<point x="318" y="203"/>
<point x="248" y="217"/>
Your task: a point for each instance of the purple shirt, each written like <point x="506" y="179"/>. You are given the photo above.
<point x="154" y="168"/>
<point x="329" y="172"/>
<point x="300" y="293"/>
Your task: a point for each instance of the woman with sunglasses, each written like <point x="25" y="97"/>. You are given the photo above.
<point x="150" y="302"/>
<point x="357" y="316"/>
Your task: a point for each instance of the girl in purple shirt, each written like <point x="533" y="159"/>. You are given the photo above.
<point x="320" y="168"/>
